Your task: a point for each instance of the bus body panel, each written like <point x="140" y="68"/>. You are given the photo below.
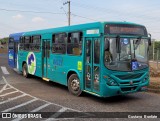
<point x="57" y="67"/>
<point x="124" y="85"/>
<point x="12" y="53"/>
<point x="62" y="65"/>
<point x="24" y="57"/>
<point x="11" y="58"/>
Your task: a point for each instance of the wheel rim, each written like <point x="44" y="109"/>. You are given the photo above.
<point x="75" y="84"/>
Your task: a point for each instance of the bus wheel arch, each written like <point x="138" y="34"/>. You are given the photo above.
<point x="25" y="69"/>
<point x="73" y="83"/>
<point x="23" y="63"/>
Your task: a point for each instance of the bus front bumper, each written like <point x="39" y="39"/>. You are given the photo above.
<point x="109" y="91"/>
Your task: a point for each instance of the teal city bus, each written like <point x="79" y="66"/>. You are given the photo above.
<point x="102" y="58"/>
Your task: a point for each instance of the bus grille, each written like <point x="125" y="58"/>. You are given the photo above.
<point x="129" y="76"/>
<point x="128" y="83"/>
<point x="127" y="89"/>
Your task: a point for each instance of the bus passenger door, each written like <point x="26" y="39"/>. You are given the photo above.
<point x="45" y="57"/>
<point x="92" y="65"/>
<point x="15" y="53"/>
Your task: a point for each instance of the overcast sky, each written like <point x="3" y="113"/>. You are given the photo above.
<point x="42" y="14"/>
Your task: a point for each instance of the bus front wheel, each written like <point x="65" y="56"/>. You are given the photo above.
<point x="74" y="85"/>
<point x="25" y="71"/>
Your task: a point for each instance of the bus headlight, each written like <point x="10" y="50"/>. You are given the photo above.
<point x="145" y="79"/>
<point x="111" y="82"/>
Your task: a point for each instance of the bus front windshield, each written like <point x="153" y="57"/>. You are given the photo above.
<point x="133" y="54"/>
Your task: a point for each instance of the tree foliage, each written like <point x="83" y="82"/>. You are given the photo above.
<point x="4" y="40"/>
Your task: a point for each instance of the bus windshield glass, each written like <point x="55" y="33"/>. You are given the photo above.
<point x="124" y="29"/>
<point x="133" y="54"/>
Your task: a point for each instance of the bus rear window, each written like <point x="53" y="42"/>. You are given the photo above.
<point x="125" y="29"/>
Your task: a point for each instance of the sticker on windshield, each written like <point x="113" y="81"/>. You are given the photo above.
<point x="134" y="65"/>
<point x="125" y="41"/>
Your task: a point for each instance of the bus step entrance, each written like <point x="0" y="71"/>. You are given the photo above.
<point x="45" y="79"/>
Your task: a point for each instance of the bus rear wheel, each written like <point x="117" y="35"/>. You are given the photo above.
<point x="25" y="71"/>
<point x="74" y="85"/>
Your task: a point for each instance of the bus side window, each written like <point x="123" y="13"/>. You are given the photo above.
<point x="69" y="45"/>
<point x="36" y="43"/>
<point x="16" y="47"/>
<point x="59" y="43"/>
<point x="97" y="51"/>
<point x="88" y="51"/>
<point x="31" y="47"/>
<point x="27" y="40"/>
<point x="53" y="42"/>
<point x="74" y="45"/>
<point x="21" y="45"/>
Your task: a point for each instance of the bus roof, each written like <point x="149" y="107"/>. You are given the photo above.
<point x="76" y="27"/>
<point x="16" y="36"/>
<point x="124" y="22"/>
<point x="66" y="28"/>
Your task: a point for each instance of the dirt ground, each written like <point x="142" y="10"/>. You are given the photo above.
<point x="154" y="77"/>
<point x="154" y="86"/>
<point x="3" y="50"/>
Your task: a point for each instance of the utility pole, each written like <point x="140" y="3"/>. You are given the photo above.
<point x="153" y="48"/>
<point x="69" y="11"/>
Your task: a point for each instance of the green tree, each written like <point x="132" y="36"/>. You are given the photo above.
<point x="4" y="40"/>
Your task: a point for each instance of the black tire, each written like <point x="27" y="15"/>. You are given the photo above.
<point x="74" y="85"/>
<point x="25" y="71"/>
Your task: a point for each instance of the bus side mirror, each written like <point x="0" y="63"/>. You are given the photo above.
<point x="118" y="44"/>
<point x="149" y="40"/>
